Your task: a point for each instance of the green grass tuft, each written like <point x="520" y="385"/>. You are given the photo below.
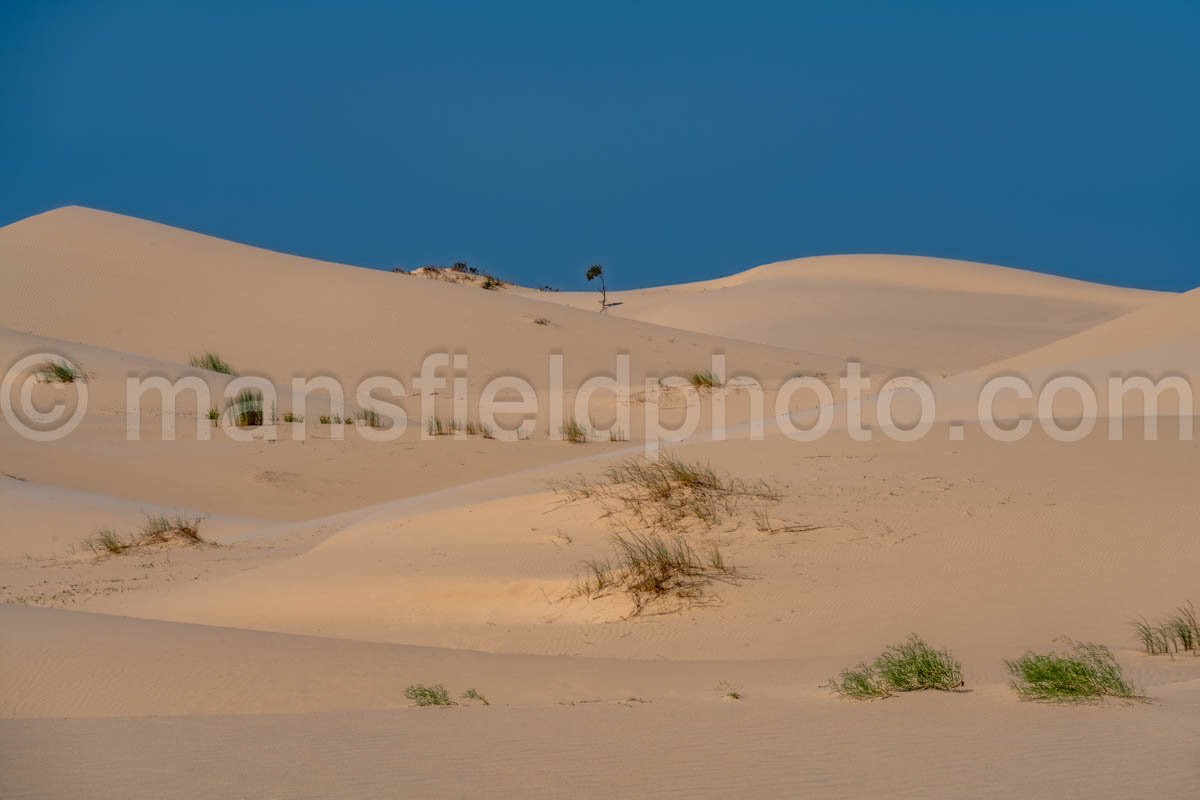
<point x="246" y="409"/>
<point x="211" y="362"/>
<point x="1175" y="633"/>
<point x="704" y="380"/>
<point x="1086" y="672"/>
<point x="435" y="695"/>
<point x="861" y="683"/>
<point x="913" y="666"/>
<point x="471" y="694"/>
<point x="59" y="372"/>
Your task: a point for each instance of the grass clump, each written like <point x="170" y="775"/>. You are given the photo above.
<point x="573" y="432"/>
<point x="861" y="683"/>
<point x="211" y="362"/>
<point x="666" y="493"/>
<point x="1176" y="633"/>
<point x="370" y="417"/>
<point x="292" y="417"/>
<point x="472" y="694"/>
<point x="435" y="695"/>
<point x="649" y="567"/>
<point x="436" y="426"/>
<point x="246" y="409"/>
<point x="704" y="380"/>
<point x="106" y="540"/>
<point x="1087" y="672"/>
<point x="478" y="429"/>
<point x="158" y="529"/>
<point x="541" y="321"/>
<point x="491" y="283"/>
<point x="915" y="666"/>
<point x="60" y="372"/>
<point x="912" y="666"/>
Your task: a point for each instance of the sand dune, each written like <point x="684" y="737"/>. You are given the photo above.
<point x="271" y="660"/>
<point x="933" y="315"/>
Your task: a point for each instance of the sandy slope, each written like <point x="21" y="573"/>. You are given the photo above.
<point x="933" y="315"/>
<point x="68" y="270"/>
<point x="272" y="662"/>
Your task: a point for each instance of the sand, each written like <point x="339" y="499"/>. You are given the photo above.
<point x="272" y="661"/>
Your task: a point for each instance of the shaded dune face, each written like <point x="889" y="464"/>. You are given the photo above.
<point x="329" y="576"/>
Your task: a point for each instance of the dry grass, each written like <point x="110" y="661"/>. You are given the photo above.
<point x="650" y="568"/>
<point x="436" y="426"/>
<point x="157" y="530"/>
<point x="573" y="432"/>
<point x="666" y="493"/>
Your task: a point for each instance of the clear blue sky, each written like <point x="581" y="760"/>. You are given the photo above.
<point x="668" y="141"/>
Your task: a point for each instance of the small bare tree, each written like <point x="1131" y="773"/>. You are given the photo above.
<point x="597" y="271"/>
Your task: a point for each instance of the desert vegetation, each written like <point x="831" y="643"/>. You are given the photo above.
<point x="211" y="362"/>
<point x="666" y="493"/>
<point x="421" y="695"/>
<point x="59" y="372"/>
<point x="652" y="567"/>
<point x="157" y="529"/>
<point x="474" y="696"/>
<point x="1178" y="632"/>
<point x="436" y="426"/>
<point x="596" y="272"/>
<point x="704" y="380"/>
<point x="912" y="666"/>
<point x="573" y="432"/>
<point x="653" y="504"/>
<point x="246" y="409"/>
<point x="1086" y="672"/>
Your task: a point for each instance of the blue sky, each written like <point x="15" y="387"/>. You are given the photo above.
<point x="669" y="142"/>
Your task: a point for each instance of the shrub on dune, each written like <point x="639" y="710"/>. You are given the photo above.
<point x="913" y="666"/>
<point x="1086" y="672"/>
<point x="435" y="695"/>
